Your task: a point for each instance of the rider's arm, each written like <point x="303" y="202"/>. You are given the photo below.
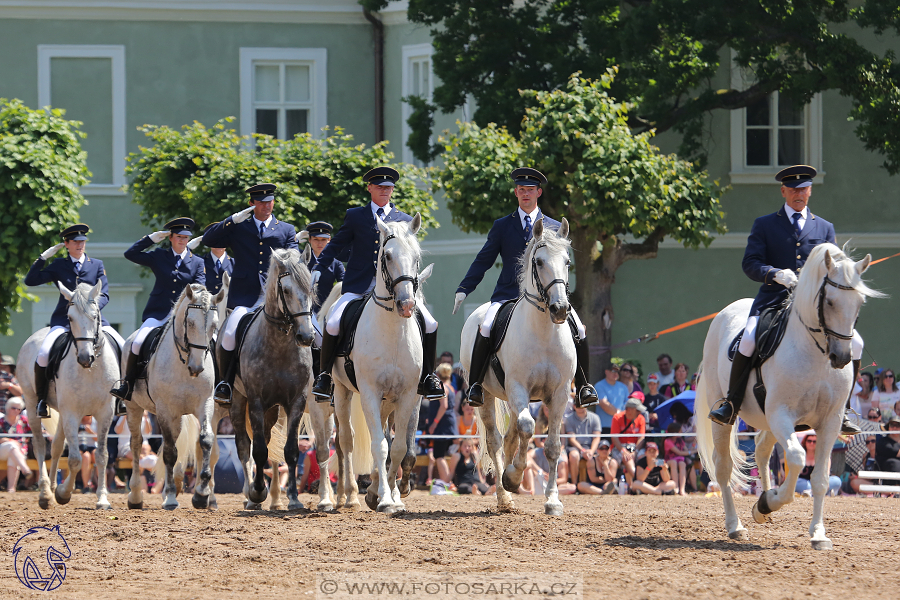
<point x="38" y="275"/>
<point x="486" y="258"/>
<point x="136" y="253"/>
<point x="219" y="234"/>
<point x="754" y="263"/>
<point x="201" y="274"/>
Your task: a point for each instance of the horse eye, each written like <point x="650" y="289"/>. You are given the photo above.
<point x="829" y="302"/>
<point x="387" y="256"/>
<point x="540" y="262"/>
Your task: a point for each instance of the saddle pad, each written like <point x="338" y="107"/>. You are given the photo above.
<point x="349" y="321"/>
<point x="58" y="352"/>
<point x="151" y="343"/>
<point x="770" y="330"/>
<point x="241" y="333"/>
<point x="501" y="323"/>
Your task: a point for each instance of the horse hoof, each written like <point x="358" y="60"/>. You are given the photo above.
<point x="554" y="510"/>
<point x="390" y="509"/>
<point x="404" y="490"/>
<point x="258" y="497"/>
<point x="213" y="505"/>
<point x="740" y="535"/>
<point x="135" y="505"/>
<point x="104" y="506"/>
<point x="371" y="501"/>
<point x="200" y="501"/>
<point x="295" y="505"/>
<point x="61" y="499"/>
<point x="759" y="517"/>
<point x="509" y="485"/>
<point x="172" y="506"/>
<point x="253" y="506"/>
<point x="822" y="544"/>
<point x="44" y="503"/>
<point x="325" y="507"/>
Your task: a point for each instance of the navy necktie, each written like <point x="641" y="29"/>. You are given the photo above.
<point x="527" y="227"/>
<point x="217" y="267"/>
<point x="796" y="218"/>
<point x="380" y="213"/>
<point x="262" y="228"/>
<point x="77" y="266"/>
<point x="177" y="263"/>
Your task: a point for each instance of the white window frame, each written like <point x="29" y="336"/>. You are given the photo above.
<point x="116" y="54"/>
<point x="412" y="53"/>
<point x="743" y="174"/>
<point x="316" y="58"/>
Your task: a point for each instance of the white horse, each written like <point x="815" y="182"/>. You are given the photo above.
<point x="387" y="355"/>
<point x="538" y="358"/>
<point x="179" y="381"/>
<point x="81" y="388"/>
<point x="808" y="381"/>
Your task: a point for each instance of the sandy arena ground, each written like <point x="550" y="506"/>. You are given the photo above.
<point x="621" y="547"/>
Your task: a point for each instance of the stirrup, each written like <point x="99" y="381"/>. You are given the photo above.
<point x="122" y="391"/>
<point x="478" y="400"/>
<point x="725" y="414"/>
<point x="43" y="409"/>
<point x="121" y="409"/>
<point x="222" y="394"/>
<point x="430" y="387"/>
<point x="587" y="396"/>
<point x="323" y="388"/>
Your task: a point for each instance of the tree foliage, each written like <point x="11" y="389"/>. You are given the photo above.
<point x="42" y="168"/>
<point x="671" y="52"/>
<point x="621" y="196"/>
<point x="203" y="172"/>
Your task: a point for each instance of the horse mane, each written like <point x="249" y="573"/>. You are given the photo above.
<point x="81" y="298"/>
<point x="555" y="243"/>
<point x="290" y="260"/>
<point x="804" y="295"/>
<point x="409" y="242"/>
<point x="201" y="296"/>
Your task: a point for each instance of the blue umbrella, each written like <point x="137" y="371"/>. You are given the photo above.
<point x="662" y="411"/>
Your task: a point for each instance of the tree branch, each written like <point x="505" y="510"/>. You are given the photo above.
<point x="643" y="250"/>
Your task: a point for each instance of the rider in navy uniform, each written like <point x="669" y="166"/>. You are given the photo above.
<point x="217" y="263"/>
<point x="508" y="238"/>
<point x="76" y="268"/>
<point x="358" y="238"/>
<point x="777" y="249"/>
<point x="319" y="235"/>
<point x="174" y="268"/>
<point x="251" y="242"/>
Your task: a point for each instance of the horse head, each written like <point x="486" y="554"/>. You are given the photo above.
<point x="194" y="322"/>
<point x="288" y="295"/>
<point x="545" y="267"/>
<point x="84" y="320"/>
<point x="399" y="264"/>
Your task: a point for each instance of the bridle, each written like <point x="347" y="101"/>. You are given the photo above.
<point x="187" y="343"/>
<point x="97" y="340"/>
<point x="541" y="297"/>
<point x="823" y="328"/>
<point x="390" y="283"/>
<point x="284" y="323"/>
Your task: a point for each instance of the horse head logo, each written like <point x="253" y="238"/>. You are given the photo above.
<point x="40" y="558"/>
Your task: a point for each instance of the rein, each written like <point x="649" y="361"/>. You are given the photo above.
<point x="541" y="297"/>
<point x="390" y="283"/>
<point x="187" y="343"/>
<point x="284" y="323"/>
<point x="822" y="328"/>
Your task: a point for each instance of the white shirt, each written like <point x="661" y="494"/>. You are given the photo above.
<point x="258" y="222"/>
<point x="534" y="215"/>
<point x="386" y="209"/>
<point x="80" y="261"/>
<point x="790" y="213"/>
<point x="220" y="259"/>
<point x="183" y="254"/>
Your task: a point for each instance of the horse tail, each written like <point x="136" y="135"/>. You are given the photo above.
<point x="185" y="445"/>
<point x="502" y="419"/>
<point x="51" y="423"/>
<point x="306" y="426"/>
<point x="705" y="446"/>
<point x="362" y="439"/>
<point x="277" y="439"/>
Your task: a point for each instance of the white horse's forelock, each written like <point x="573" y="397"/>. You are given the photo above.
<point x="81" y="298"/>
<point x="409" y="243"/>
<point x="555" y="243"/>
<point x="201" y="297"/>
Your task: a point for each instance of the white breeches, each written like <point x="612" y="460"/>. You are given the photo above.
<point x="748" y="341"/>
<point x="142" y="333"/>
<point x="229" y="331"/>
<point x="491" y="314"/>
<point x="333" y="324"/>
<point x="43" y="356"/>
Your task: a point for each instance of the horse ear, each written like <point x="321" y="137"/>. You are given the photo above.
<point x="862" y="265"/>
<point x="829" y="263"/>
<point x="189" y="292"/>
<point x="426" y="273"/>
<point x="67" y="294"/>
<point x="95" y="291"/>
<point x="223" y="292"/>
<point x="382" y="227"/>
<point x="415" y="224"/>
<point x="563" y="229"/>
<point x="538" y="230"/>
<point x="306" y="254"/>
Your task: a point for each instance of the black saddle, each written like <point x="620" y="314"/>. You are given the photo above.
<point x="148" y="348"/>
<point x="241" y="334"/>
<point x="769" y="332"/>
<point x="61" y="347"/>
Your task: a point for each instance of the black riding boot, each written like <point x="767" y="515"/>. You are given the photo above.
<point x="848" y="427"/>
<point x="222" y="394"/>
<point x="126" y="384"/>
<point x="323" y="388"/>
<point x="41" y="388"/>
<point x="429" y="385"/>
<point x="481" y="354"/>
<point x="727" y="413"/>
<point x="316" y="360"/>
<point x="587" y="395"/>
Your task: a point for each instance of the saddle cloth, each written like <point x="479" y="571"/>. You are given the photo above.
<point x="60" y="349"/>
<point x="240" y="335"/>
<point x="769" y="333"/>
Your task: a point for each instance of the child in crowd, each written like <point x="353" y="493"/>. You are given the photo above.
<point x="675" y="453"/>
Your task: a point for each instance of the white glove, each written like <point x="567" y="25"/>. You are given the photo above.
<point x="158" y="236"/>
<point x="458" y="301"/>
<point x="240" y="217"/>
<point x="314" y="278"/>
<point x="302" y="237"/>
<point x="195" y="242"/>
<point x="51" y="251"/>
<point x="786" y="277"/>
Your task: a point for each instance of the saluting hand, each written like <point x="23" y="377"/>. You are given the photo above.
<point x="195" y="242"/>
<point x="302" y="237"/>
<point x="51" y="251"/>
<point x="786" y="277"/>
<point x="240" y="217"/>
<point x="158" y="236"/>
<point x="457" y="302"/>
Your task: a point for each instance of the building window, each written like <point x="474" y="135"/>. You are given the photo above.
<point x="418" y="80"/>
<point x="283" y="91"/>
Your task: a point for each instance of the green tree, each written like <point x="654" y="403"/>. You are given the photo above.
<point x="203" y="172"/>
<point x="607" y="181"/>
<point x="671" y="52"/>
<point x="42" y="168"/>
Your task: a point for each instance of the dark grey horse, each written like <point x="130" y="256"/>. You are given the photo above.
<point x="275" y="365"/>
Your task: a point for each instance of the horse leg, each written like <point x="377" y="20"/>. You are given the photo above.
<point x="765" y="443"/>
<point x="56" y="450"/>
<point x="213" y="460"/>
<point x="409" y="458"/>
<point x="69" y="423"/>
<point x="292" y="453"/>
<point x="494" y="441"/>
<point x="258" y="490"/>
<point x="102" y="454"/>
<point x="402" y="448"/>
<point x="133" y="416"/>
<point x="40" y="453"/>
<point x="342" y="399"/>
<point x="517" y="439"/>
<point x="242" y="443"/>
<point x="207" y="439"/>
<point x="170" y="432"/>
<point x="371" y="405"/>
<point x="819" y="483"/>
<point x="782" y="427"/>
<point x="317" y="414"/>
<point x="552" y="448"/>
<point x="724" y="466"/>
<point x="340" y="494"/>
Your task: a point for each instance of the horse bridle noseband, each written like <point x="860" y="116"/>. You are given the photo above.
<point x="822" y="328"/>
<point x="390" y="283"/>
<point x="97" y="339"/>
<point x="285" y="323"/>
<point x="541" y="297"/>
<point x="187" y="343"/>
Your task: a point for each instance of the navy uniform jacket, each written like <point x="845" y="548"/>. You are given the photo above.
<point x="63" y="271"/>
<point x="359" y="236"/>
<point x="330" y="275"/>
<point x="213" y="279"/>
<point x="773" y="245"/>
<point x="250" y="252"/>
<point x="506" y="239"/>
<point x="170" y="281"/>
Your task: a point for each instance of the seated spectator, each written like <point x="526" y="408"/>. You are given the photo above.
<point x="582" y="424"/>
<point x="675" y="455"/>
<point x="804" y="486"/>
<point x="626" y="448"/>
<point x="538" y="468"/>
<point x="466" y="423"/>
<point x="888" y="392"/>
<point x="147" y="463"/>
<point x="652" y="473"/>
<point x="600" y="474"/>
<point x="124" y="434"/>
<point x="868" y="464"/>
<point x="309" y="481"/>
<point x="442" y="421"/>
<point x="612" y="394"/>
<point x="14" y="449"/>
<point x="680" y="384"/>
<point x="628" y="377"/>
<point x="887" y="448"/>
<point x="87" y="446"/>
<point x="225" y="426"/>
<point x="685" y="420"/>
<point x="888" y="412"/>
<point x="9" y="385"/>
<point x="652" y="399"/>
<point x="467" y="476"/>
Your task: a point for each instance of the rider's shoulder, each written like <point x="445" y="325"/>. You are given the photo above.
<point x="551" y="223"/>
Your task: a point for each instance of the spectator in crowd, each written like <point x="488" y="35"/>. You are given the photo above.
<point x="14" y="449"/>
<point x="600" y="474"/>
<point x="665" y="375"/>
<point x="628" y="377"/>
<point x="888" y="393"/>
<point x="442" y="421"/>
<point x="888" y="412"/>
<point x="124" y="434"/>
<point x="538" y="468"/>
<point x="466" y="423"/>
<point x="874" y="414"/>
<point x="869" y="463"/>
<point x="631" y="422"/>
<point x="685" y="420"/>
<point x="87" y="447"/>
<point x="9" y="385"/>
<point x="803" y="486"/>
<point x="867" y="396"/>
<point x="680" y="384"/>
<point x="147" y="463"/>
<point x="612" y="394"/>
<point x="675" y="456"/>
<point x="652" y="399"/>
<point x="309" y="481"/>
<point x="652" y="474"/>
<point x="467" y="476"/>
<point x="887" y="448"/>
<point x="582" y="424"/>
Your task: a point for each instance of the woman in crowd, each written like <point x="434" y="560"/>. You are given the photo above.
<point x="675" y="456"/>
<point x="887" y="448"/>
<point x="628" y="376"/>
<point x="888" y="412"/>
<point x="652" y="475"/>
<point x="12" y="449"/>
<point x="868" y="464"/>
<point x="803" y="486"/>
<point x="442" y="421"/>
<point x="466" y="476"/>
<point x="600" y="477"/>
<point x="888" y="393"/>
<point x="867" y="397"/>
<point x="680" y="384"/>
<point x="685" y="420"/>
